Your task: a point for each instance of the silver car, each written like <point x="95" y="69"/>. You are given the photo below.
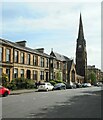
<point x="45" y="86"/>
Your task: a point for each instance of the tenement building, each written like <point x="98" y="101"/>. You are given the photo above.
<point x="62" y="65"/>
<point x="98" y="72"/>
<point x="17" y="60"/>
<point x="81" y="54"/>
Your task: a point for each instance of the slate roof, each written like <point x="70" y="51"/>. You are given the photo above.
<point x="63" y="59"/>
<point x="60" y="57"/>
<point x="16" y="45"/>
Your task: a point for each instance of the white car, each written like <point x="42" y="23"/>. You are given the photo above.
<point x="86" y="85"/>
<point x="45" y="86"/>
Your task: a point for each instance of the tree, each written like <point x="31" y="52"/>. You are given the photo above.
<point x="92" y="77"/>
<point x="4" y="79"/>
<point x="59" y="76"/>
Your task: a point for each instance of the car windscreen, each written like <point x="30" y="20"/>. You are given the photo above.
<point x="58" y="84"/>
<point x="42" y="83"/>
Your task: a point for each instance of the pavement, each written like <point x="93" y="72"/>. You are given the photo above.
<point x="16" y="92"/>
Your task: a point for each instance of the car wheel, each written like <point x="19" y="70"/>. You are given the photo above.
<point x="60" y="88"/>
<point x="5" y="94"/>
<point x="64" y="88"/>
<point x="52" y="89"/>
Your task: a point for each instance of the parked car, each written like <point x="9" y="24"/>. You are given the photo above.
<point x="98" y="84"/>
<point x="45" y="86"/>
<point x="89" y="85"/>
<point x="86" y="84"/>
<point x="59" y="86"/>
<point x="4" y="91"/>
<point x="70" y="85"/>
<point x="78" y="85"/>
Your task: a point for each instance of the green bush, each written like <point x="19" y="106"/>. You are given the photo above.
<point x="12" y="86"/>
<point x="4" y="80"/>
<point x="29" y="84"/>
<point x="52" y="82"/>
<point x="58" y="81"/>
<point x="21" y="83"/>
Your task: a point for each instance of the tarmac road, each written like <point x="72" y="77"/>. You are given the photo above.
<point x="70" y="103"/>
<point x="87" y="106"/>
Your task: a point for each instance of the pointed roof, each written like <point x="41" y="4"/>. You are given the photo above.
<point x="80" y="32"/>
<point x="59" y="56"/>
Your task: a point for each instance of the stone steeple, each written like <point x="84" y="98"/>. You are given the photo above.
<point x="81" y="54"/>
<point x="80" y="33"/>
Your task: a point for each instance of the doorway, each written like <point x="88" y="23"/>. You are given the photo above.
<point x="28" y="74"/>
<point x="46" y="76"/>
<point x="73" y="76"/>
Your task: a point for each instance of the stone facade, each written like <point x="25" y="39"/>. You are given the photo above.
<point x="98" y="72"/>
<point x="81" y="54"/>
<point x="19" y="61"/>
<point x="63" y="65"/>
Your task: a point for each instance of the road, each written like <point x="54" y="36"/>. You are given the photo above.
<point x="70" y="103"/>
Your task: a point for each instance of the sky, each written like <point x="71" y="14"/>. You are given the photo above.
<point x="46" y="24"/>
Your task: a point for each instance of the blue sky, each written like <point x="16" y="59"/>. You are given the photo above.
<point x="54" y="25"/>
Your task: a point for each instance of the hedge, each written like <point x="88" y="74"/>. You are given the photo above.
<point x="20" y="83"/>
<point x="53" y="82"/>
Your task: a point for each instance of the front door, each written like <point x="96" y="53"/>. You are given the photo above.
<point x="47" y="76"/>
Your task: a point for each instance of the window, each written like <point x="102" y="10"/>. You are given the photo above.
<point x="47" y="62"/>
<point x="51" y="63"/>
<point x="42" y="62"/>
<point x="0" y="54"/>
<point x="7" y="55"/>
<point x="42" y="75"/>
<point x="22" y="72"/>
<point x="51" y="76"/>
<point x="15" y="73"/>
<point x="61" y="65"/>
<point x="57" y="65"/>
<point x="28" y="59"/>
<point x="35" y="60"/>
<point x="35" y="75"/>
<point x="65" y="66"/>
<point x="8" y="73"/>
<point x="0" y="71"/>
<point x="54" y="75"/>
<point x="22" y="58"/>
<point x="16" y="56"/>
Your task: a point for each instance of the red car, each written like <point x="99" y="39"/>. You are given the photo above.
<point x="4" y="91"/>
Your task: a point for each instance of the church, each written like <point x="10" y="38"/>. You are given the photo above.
<point x="70" y="71"/>
<point x="81" y="53"/>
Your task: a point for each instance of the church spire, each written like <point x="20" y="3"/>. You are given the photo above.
<point x="81" y="54"/>
<point x="80" y="33"/>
